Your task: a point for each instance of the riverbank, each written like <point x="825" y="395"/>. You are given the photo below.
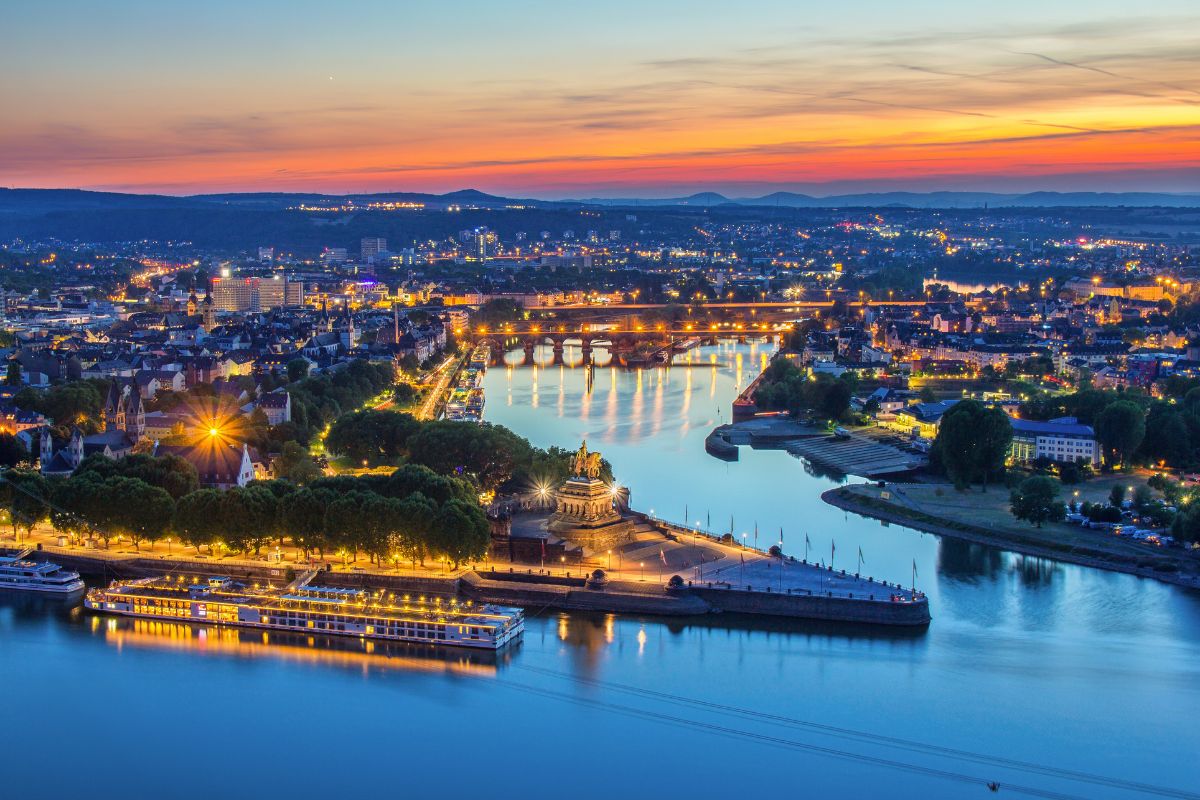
<point x="831" y="598"/>
<point x="1101" y="552"/>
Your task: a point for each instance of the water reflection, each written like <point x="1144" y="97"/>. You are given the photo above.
<point x="362" y="655"/>
<point x="966" y="561"/>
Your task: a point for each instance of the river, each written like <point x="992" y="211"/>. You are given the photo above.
<point x="1064" y="667"/>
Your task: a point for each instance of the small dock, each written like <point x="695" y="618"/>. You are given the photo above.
<point x="852" y="454"/>
<point x="855" y="455"/>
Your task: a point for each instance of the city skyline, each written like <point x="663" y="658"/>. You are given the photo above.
<point x="615" y="101"/>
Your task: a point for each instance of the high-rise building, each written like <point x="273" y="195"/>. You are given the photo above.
<point x="266" y="255"/>
<point x="334" y="255"/>
<point x="372" y="246"/>
<point x="484" y="244"/>
<point x="255" y="294"/>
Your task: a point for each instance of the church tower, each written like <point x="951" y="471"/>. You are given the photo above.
<point x="114" y="408"/>
<point x="47" y="447"/>
<point x="192" y="305"/>
<point x="210" y="319"/>
<point x="75" y="448"/>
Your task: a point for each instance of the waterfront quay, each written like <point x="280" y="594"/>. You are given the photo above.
<point x="661" y="569"/>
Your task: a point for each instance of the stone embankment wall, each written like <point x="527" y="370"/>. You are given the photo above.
<point x="819" y="607"/>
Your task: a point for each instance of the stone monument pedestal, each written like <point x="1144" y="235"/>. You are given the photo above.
<point x="585" y="513"/>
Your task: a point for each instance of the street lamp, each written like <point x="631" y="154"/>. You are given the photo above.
<point x="642" y="569"/>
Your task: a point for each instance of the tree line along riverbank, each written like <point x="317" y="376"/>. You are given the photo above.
<point x="1099" y="550"/>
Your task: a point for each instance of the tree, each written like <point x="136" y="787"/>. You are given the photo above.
<point x="926" y="395"/>
<point x="138" y="510"/>
<point x="415" y="513"/>
<point x="488" y="453"/>
<point x="75" y="403"/>
<point x="296" y="465"/>
<point x="371" y="435"/>
<point x="13" y="378"/>
<point x="1116" y="496"/>
<point x="379" y="526"/>
<point x="1036" y="500"/>
<point x="12" y="450"/>
<point x="1120" y="427"/>
<point x="174" y="475"/>
<point x="972" y="442"/>
<point x="405" y="394"/>
<point x="26" y="495"/>
<point x="297" y="369"/>
<point x="1168" y="437"/>
<point x="249" y="517"/>
<point x="198" y="518"/>
<point x="343" y="526"/>
<point x="1186" y="526"/>
<point x="1142" y="497"/>
<point x="460" y="532"/>
<point x="418" y="479"/>
<point x="302" y="516"/>
<point x="835" y="400"/>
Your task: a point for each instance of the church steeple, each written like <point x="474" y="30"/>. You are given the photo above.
<point x="46" y="446"/>
<point x="209" y="321"/>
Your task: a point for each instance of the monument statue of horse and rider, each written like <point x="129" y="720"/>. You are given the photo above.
<point x="586" y="465"/>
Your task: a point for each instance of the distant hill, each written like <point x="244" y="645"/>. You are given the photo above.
<point x="43" y="201"/>
<point x="35" y="202"/>
<point x="923" y="200"/>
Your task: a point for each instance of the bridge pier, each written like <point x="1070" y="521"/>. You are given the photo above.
<point x="558" y="352"/>
<point x="527" y="361"/>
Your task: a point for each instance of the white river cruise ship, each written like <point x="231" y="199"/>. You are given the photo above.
<point x="313" y="609"/>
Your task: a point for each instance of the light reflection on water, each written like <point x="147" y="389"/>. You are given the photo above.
<point x="1025" y="658"/>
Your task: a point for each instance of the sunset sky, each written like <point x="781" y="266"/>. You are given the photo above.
<point x="615" y="98"/>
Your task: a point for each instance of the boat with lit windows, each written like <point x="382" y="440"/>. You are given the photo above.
<point x="475" y="401"/>
<point x="313" y="609"/>
<point x="22" y="573"/>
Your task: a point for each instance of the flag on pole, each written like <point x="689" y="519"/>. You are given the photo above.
<point x="743" y="555"/>
<point x="914" y="568"/>
<point x="861" y="560"/>
<point x="663" y="556"/>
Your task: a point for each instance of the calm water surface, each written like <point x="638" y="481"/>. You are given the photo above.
<point x="1026" y="659"/>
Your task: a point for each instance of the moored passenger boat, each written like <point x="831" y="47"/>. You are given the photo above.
<point x="313" y="609"/>
<point x="21" y="573"/>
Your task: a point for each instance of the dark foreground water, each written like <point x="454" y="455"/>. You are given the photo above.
<point x="1064" y="667"/>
